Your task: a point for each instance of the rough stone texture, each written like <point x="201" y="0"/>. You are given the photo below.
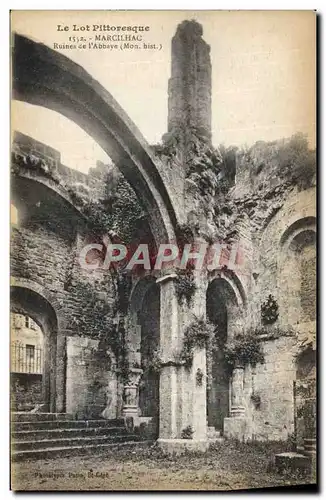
<point x="290" y="461"/>
<point x="190" y="83"/>
<point x="26" y="391"/>
<point x="273" y="382"/>
<point x="181" y="446"/>
<point x="271" y="218"/>
<point x="91" y="382"/>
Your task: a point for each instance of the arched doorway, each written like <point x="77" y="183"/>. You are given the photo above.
<point x="26" y="362"/>
<point x="29" y="304"/>
<point x="297" y="273"/>
<point x="221" y="310"/>
<point x="145" y="319"/>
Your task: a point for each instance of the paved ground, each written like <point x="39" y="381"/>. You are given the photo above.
<point x="226" y="467"/>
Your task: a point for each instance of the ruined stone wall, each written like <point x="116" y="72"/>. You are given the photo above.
<point x="280" y="272"/>
<point x="273" y="418"/>
<point x="90" y="184"/>
<point x="45" y="248"/>
<point x="190" y="83"/>
<point x="25" y="391"/>
<point x="286" y="269"/>
<point x="41" y="256"/>
<point x="92" y="389"/>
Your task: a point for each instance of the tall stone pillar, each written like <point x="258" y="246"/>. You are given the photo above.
<point x="169" y="343"/>
<point x="182" y="389"/>
<point x="190" y="83"/>
<point x="237" y="407"/>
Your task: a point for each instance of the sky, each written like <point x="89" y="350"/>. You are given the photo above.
<point x="263" y="76"/>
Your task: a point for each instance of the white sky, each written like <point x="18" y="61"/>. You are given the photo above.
<point x="263" y="74"/>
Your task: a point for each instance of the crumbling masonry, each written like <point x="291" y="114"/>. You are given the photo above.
<point x="142" y="345"/>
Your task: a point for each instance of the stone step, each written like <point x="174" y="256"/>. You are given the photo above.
<point x="70" y="451"/>
<point x="39" y="434"/>
<point x="64" y="424"/>
<point x="70" y="441"/>
<point x="23" y="416"/>
<point x="213" y="433"/>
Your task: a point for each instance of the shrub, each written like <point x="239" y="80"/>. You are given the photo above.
<point x="244" y="349"/>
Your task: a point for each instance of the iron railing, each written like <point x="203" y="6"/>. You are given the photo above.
<point x="26" y="358"/>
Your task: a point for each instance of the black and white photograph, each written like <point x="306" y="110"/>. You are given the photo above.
<point x="163" y="250"/>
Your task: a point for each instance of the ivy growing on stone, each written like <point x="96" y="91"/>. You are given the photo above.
<point x="185" y="286"/>
<point x="185" y="234"/>
<point x="123" y="289"/>
<point x="199" y="334"/>
<point x="269" y="310"/>
<point x="34" y="164"/>
<point x="243" y="350"/>
<point x="102" y="321"/>
<point x="187" y="432"/>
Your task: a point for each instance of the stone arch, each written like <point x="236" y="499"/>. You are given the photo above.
<point x="297" y="272"/>
<point x="52" y="187"/>
<point x="46" y="78"/>
<point x="26" y="299"/>
<point x="39" y="290"/>
<point x="224" y="308"/>
<point x="234" y="282"/>
<point x="296" y="227"/>
<point x="145" y="319"/>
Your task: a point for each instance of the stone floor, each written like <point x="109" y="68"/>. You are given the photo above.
<point x="226" y="466"/>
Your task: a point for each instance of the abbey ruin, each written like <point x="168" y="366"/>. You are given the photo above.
<point x="183" y="356"/>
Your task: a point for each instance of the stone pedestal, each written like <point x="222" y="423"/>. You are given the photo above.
<point x="181" y="446"/>
<point x="292" y="461"/>
<point x="237" y="425"/>
<point x="130" y="407"/>
<point x="237" y="408"/>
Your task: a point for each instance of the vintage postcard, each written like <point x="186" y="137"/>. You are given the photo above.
<point x="163" y="250"/>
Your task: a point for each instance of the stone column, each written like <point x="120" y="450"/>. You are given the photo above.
<point x="131" y="396"/>
<point x="182" y="398"/>
<point x="169" y="332"/>
<point x="237" y="407"/>
<point x="60" y="374"/>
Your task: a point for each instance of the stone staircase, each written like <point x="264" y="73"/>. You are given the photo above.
<point x="48" y="435"/>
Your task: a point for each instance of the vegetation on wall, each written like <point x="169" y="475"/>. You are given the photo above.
<point x="269" y="310"/>
<point x="101" y="320"/>
<point x="210" y="169"/>
<point x="200" y="334"/>
<point x="187" y="432"/>
<point x="185" y="286"/>
<point x="120" y="212"/>
<point x="289" y="159"/>
<point x="185" y="234"/>
<point x="154" y="364"/>
<point x="34" y="164"/>
<point x="203" y="161"/>
<point x="243" y="350"/>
